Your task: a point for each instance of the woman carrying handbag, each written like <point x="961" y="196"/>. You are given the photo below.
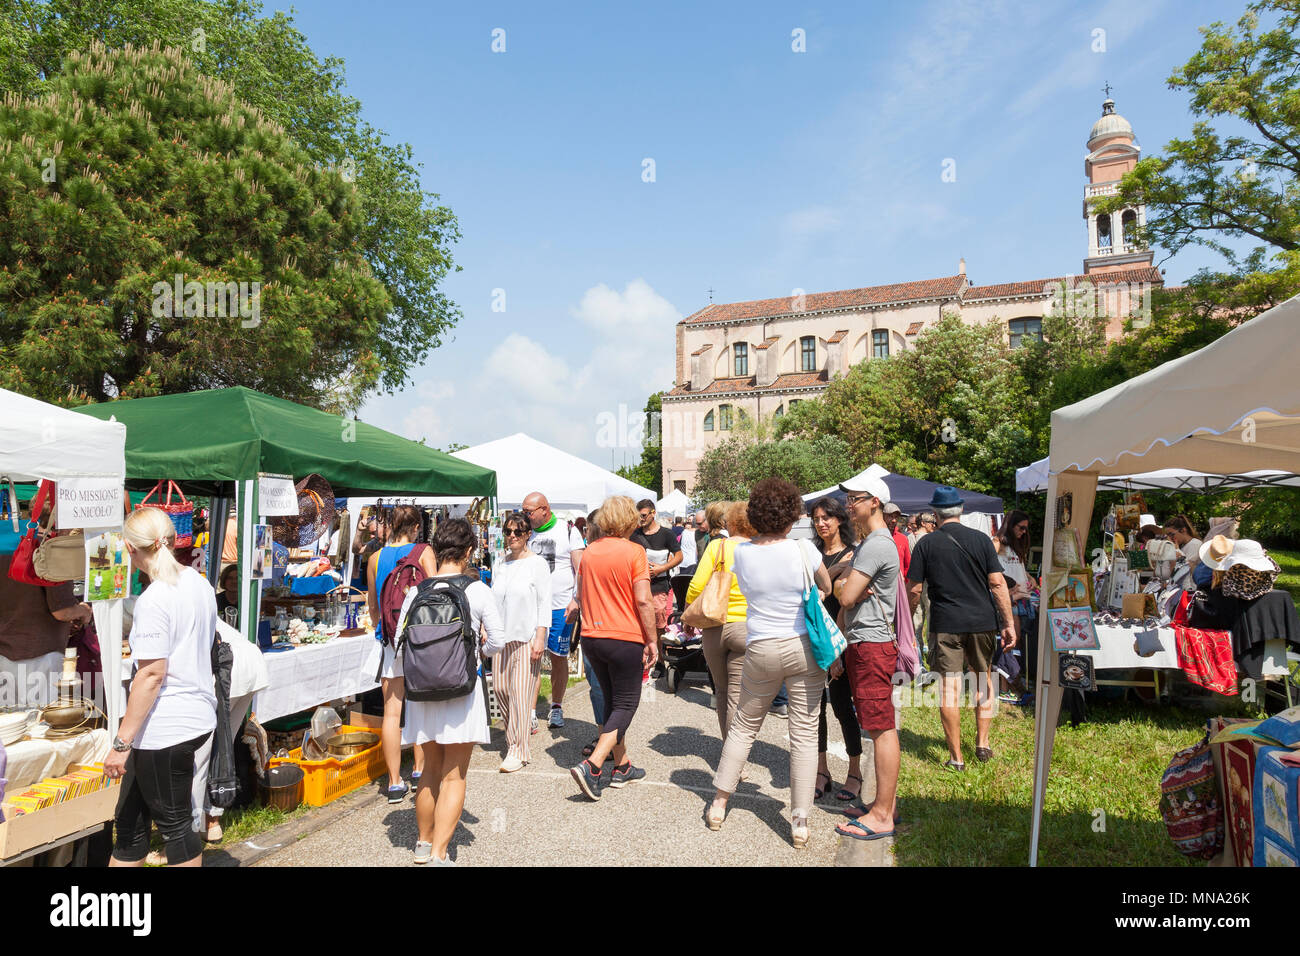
<point x="717" y="606"/>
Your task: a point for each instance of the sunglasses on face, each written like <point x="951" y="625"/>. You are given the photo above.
<point x="854" y="499"/>
<point x="515" y="533"/>
<point x="646" y="515"/>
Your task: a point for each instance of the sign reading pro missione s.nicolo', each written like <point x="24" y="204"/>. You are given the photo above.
<point x="89" y="503"/>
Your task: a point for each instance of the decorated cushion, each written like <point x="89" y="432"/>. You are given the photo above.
<point x="1189" y="802"/>
<point x="1283" y="727"/>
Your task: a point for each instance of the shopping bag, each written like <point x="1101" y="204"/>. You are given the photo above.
<point x="710" y="608"/>
<point x="827" y="641"/>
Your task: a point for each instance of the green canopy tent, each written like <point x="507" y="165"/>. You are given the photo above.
<point x="218" y="442"/>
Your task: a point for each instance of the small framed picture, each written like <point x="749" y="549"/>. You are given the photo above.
<point x="1072" y="629"/>
<point x="1075" y="592"/>
<point x="1067" y="554"/>
<point x="1076" y="672"/>
<point x="1064" y="509"/>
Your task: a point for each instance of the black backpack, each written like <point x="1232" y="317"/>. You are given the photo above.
<point x="438" y="643"/>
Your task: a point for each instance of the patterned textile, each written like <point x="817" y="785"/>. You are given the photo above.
<point x="1277" y="810"/>
<point x="1239" y="758"/>
<point x="1248" y="584"/>
<point x="1189" y="802"/>
<point x="1283" y="727"/>
<point x="1206" y="658"/>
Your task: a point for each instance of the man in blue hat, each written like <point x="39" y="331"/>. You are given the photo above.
<point x="970" y="607"/>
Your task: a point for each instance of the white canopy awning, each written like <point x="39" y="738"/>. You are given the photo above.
<point x="524" y="465"/>
<point x="674" y="503"/>
<point x="39" y="441"/>
<point x="1033" y="478"/>
<point x="1231" y="408"/>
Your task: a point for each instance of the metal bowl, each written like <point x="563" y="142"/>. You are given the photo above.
<point x="348" y="745"/>
<point x="62" y="715"/>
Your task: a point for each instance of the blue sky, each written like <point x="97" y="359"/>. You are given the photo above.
<point x="773" y="170"/>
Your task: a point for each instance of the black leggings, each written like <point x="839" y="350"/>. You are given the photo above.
<point x="618" y="669"/>
<point x="841" y="696"/>
<point x="157" y="787"/>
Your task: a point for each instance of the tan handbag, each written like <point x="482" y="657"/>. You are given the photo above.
<point x="60" y="557"/>
<point x="710" y="608"/>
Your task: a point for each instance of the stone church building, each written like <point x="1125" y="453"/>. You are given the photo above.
<point x="766" y="355"/>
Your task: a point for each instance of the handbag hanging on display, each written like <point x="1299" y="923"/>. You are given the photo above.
<point x="21" y="567"/>
<point x="181" y="512"/>
<point x="710" y="608"/>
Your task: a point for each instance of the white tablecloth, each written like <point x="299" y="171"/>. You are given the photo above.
<point x="1117" y="649"/>
<point x="312" y="674"/>
<point x="31" y="761"/>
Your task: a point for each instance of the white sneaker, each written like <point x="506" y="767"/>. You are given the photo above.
<point x="423" y="852"/>
<point x="511" y="764"/>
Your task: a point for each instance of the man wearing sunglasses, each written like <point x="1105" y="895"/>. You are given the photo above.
<point x="561" y="547"/>
<point x="663" y="553"/>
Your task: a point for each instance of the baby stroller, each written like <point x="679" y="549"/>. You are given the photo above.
<point x="683" y="652"/>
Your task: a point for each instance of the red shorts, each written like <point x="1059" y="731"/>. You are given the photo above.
<point x="663" y="609"/>
<point x="870" y="669"/>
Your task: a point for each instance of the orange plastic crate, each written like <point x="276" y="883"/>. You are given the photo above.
<point x="327" y="780"/>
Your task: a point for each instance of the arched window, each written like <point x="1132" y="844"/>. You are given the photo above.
<point x="742" y="359"/>
<point x="724" y="418"/>
<point x="1130" y="223"/>
<point x="1022" y="329"/>
<point x="1103" y="231"/>
<point x="780" y="410"/>
<point x="708" y="421"/>
<point x="808" y="353"/>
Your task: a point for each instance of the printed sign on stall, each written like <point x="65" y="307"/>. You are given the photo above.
<point x="276" y="497"/>
<point x="108" y="567"/>
<point x="263" y="559"/>
<point x="89" y="503"/>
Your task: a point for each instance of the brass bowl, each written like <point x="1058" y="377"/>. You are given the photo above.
<point x="348" y="745"/>
<point x="61" y="716"/>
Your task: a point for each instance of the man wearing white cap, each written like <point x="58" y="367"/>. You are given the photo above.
<point x="868" y="594"/>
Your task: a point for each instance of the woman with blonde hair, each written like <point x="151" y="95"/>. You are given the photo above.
<point x="172" y="710"/>
<point x="618" y="637"/>
<point x="724" y="644"/>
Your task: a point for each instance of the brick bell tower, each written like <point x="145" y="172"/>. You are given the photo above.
<point x="1112" y="151"/>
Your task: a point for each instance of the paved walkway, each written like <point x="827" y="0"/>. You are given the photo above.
<point x="537" y="817"/>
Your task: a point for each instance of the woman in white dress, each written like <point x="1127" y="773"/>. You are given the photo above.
<point x="521" y="585"/>
<point x="447" y="730"/>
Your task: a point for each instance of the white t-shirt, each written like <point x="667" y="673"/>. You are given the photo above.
<point x="177" y="622"/>
<point x="771" y="576"/>
<point x="1192" y="552"/>
<point x="690" y="557"/>
<point x="556" y="546"/>
<point x="522" y="589"/>
<point x="1013" y="567"/>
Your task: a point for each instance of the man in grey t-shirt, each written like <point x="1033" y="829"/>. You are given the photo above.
<point x="872" y="619"/>
<point x="868" y="595"/>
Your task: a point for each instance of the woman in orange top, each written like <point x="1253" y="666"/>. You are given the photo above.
<point x="618" y="636"/>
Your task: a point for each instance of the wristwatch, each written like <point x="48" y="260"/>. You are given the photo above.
<point x="120" y="745"/>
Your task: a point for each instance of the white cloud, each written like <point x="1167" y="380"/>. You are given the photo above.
<point x="424" y="422"/>
<point x="436" y="391"/>
<point x="637" y="307"/>
<point x="524" y="368"/>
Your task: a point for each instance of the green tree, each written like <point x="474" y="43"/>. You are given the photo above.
<point x="729" y="469"/>
<point x="1217" y="184"/>
<point x="133" y="169"/>
<point x="402" y="232"/>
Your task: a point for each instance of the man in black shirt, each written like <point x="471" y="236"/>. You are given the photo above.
<point x="964" y="580"/>
<point x="663" y="553"/>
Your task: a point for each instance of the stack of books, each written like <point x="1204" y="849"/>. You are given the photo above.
<point x="55" y="790"/>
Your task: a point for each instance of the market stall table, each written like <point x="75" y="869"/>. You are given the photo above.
<point x="1117" y="652"/>
<point x="31" y="761"/>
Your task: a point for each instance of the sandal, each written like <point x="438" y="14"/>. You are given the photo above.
<point x="847" y="794"/>
<point x="860" y="831"/>
<point x="799" y="832"/>
<point x="983" y="754"/>
<point x="713" y="820"/>
<point x="819" y="791"/>
<point x="954" y="765"/>
<point x="588" y="750"/>
<point x="859" y="809"/>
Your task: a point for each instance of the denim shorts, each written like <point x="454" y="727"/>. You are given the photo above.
<point x="557" y="642"/>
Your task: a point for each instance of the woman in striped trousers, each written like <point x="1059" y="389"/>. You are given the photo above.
<point x="521" y="585"/>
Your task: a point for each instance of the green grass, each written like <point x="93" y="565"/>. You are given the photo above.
<point x="1289" y="579"/>
<point x="544" y="687"/>
<point x="246" y="822"/>
<point x="1112" y="764"/>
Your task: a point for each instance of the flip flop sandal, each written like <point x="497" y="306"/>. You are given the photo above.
<point x="954" y="765"/>
<point x="590" y="748"/>
<point x="819" y="792"/>
<point x="859" y="809"/>
<point x="847" y="794"/>
<point x="983" y="754"/>
<point x="863" y="832"/>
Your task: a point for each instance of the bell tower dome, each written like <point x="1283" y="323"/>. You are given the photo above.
<point x="1112" y="237"/>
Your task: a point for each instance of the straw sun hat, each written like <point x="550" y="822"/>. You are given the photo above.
<point x="315" y="514"/>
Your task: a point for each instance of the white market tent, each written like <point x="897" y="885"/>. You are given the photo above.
<point x="524" y="465"/>
<point x="1230" y="408"/>
<point x="1033" y="478"/>
<point x="674" y="503"/>
<point x="44" y="442"/>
